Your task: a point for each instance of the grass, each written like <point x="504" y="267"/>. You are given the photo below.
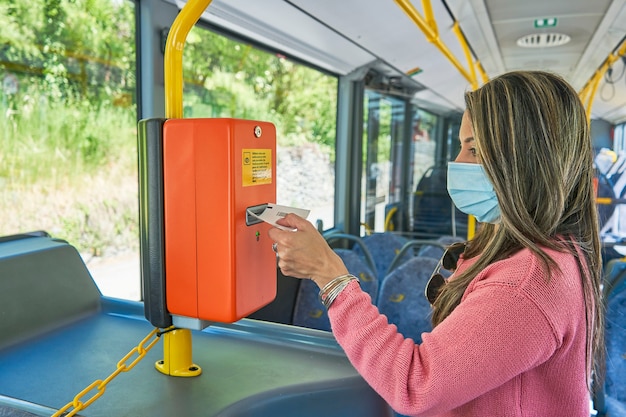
<point x="71" y="170"/>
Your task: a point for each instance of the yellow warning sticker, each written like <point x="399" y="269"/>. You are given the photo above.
<point x="256" y="165"/>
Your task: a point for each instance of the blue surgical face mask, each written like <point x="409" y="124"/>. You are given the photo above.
<point x="472" y="192"/>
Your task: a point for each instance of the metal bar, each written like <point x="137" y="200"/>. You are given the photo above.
<point x="457" y="31"/>
<point x="481" y="71"/>
<point x="430" y="18"/>
<point x="588" y="92"/>
<point x="431" y="34"/>
<point x="173" y="60"/>
<point x="608" y="200"/>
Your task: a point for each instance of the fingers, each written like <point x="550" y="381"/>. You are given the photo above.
<point x="295" y="248"/>
<point x="303" y="252"/>
<point x="293" y="221"/>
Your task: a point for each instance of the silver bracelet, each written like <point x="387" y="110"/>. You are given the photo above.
<point x="332" y="289"/>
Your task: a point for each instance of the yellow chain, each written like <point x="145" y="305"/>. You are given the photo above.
<point x="100" y="385"/>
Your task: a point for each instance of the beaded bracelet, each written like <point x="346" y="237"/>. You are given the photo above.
<point x="332" y="289"/>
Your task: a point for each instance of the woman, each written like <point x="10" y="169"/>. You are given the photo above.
<point x="519" y="323"/>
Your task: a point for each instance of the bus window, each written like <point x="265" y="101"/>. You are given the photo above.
<point x="382" y="154"/>
<point x="68" y="107"/>
<point x="453" y="124"/>
<point x="423" y="143"/>
<point x="227" y="78"/>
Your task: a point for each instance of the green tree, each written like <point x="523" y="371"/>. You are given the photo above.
<point x="19" y="32"/>
<point x="234" y="79"/>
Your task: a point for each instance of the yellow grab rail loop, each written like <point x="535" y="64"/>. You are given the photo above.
<point x="588" y="92"/>
<point x="429" y="27"/>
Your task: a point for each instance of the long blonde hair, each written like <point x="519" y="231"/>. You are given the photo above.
<point x="532" y="136"/>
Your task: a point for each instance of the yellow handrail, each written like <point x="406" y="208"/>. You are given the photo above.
<point x="173" y="60"/>
<point x="430" y="20"/>
<point x="428" y="25"/>
<point x="389" y="226"/>
<point x="457" y="31"/>
<point x="588" y="92"/>
<point x="481" y="70"/>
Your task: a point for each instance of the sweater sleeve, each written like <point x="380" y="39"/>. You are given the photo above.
<point x="495" y="334"/>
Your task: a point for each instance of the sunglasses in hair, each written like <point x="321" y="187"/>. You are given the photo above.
<point x="448" y="262"/>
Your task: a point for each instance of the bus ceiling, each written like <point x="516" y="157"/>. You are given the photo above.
<point x="572" y="38"/>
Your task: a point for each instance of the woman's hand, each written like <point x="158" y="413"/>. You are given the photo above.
<point x="304" y="253"/>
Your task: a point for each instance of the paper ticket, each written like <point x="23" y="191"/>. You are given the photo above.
<point x="274" y="212"/>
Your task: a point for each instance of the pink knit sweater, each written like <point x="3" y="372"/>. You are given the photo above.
<point x="515" y="346"/>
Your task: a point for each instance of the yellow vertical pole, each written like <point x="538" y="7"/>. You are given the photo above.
<point x="471" y="226"/>
<point x="177" y="351"/>
<point x="173" y="61"/>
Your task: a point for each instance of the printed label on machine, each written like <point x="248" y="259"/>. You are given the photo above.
<point x="256" y="166"/>
<point x="274" y="212"/>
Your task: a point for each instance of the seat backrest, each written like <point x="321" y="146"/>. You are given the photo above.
<point x="614" y="270"/>
<point x="402" y="297"/>
<point x="309" y="311"/>
<point x="616" y="339"/>
<point x="384" y="247"/>
<point x="410" y="250"/>
<point x="427" y="248"/>
<point x="437" y="250"/>
<point x="44" y="284"/>
<point x="605" y="190"/>
<point x="356" y="243"/>
<point x="434" y="213"/>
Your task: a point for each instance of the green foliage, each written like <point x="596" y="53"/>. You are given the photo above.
<point x="72" y="122"/>
<point x="52" y="141"/>
<point x="224" y="78"/>
<point x="68" y="135"/>
<point x="73" y="49"/>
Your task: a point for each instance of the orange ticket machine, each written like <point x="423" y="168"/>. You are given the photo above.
<point x="202" y="256"/>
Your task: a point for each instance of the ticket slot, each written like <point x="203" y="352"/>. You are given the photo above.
<point x="258" y="209"/>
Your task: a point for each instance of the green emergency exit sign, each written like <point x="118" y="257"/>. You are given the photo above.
<point x="545" y="23"/>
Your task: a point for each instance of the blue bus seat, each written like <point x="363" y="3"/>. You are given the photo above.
<point x="427" y="248"/>
<point x="437" y="250"/>
<point x="614" y="271"/>
<point x="44" y="285"/>
<point x="434" y="214"/>
<point x="605" y="190"/>
<point x="402" y="297"/>
<point x="309" y="311"/>
<point x="339" y="240"/>
<point x="615" y="385"/>
<point x="384" y="247"/>
<point x="288" y="291"/>
<point x="612" y="184"/>
<point x="411" y="249"/>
